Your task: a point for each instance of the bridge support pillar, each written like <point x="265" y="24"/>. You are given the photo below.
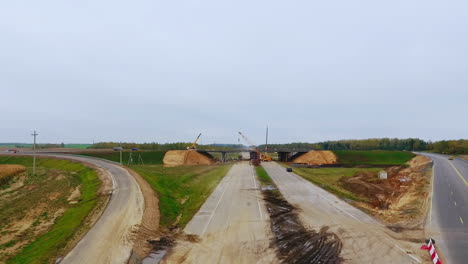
<point x="223" y="157"/>
<point x="284" y="156"/>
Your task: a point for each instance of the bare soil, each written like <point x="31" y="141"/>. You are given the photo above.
<point x="294" y="242"/>
<point x="186" y="157"/>
<point x="400" y="199"/>
<point x="147" y="232"/>
<point x="317" y="158"/>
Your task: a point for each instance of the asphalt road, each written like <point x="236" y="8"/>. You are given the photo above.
<point x="364" y="239"/>
<point x="448" y="218"/>
<point x="233" y="225"/>
<point x="108" y="241"/>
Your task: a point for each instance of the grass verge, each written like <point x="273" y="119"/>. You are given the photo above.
<point x="263" y="176"/>
<point x="182" y="190"/>
<point x="53" y="177"/>
<point x="373" y="157"/>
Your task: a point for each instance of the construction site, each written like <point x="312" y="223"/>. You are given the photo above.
<point x="270" y="205"/>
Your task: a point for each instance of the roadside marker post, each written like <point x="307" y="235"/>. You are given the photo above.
<point x="432" y="251"/>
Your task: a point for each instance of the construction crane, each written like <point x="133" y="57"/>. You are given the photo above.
<point x="259" y="156"/>
<point x="194" y="145"/>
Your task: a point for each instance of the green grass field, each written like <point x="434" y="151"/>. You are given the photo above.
<point x="263" y="176"/>
<point x="181" y="190"/>
<point x="328" y="179"/>
<point x="149" y="157"/>
<point x="373" y="157"/>
<point x="48" y="246"/>
<point x="78" y="146"/>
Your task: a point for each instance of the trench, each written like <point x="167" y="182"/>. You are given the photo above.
<point x="294" y="243"/>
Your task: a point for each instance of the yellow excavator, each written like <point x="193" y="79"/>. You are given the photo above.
<point x="194" y="144"/>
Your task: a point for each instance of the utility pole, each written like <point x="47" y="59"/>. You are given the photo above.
<point x="34" y="152"/>
<point x="120" y="153"/>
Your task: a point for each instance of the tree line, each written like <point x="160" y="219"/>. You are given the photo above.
<point x="159" y="146"/>
<point x="409" y="144"/>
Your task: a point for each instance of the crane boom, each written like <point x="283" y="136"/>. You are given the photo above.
<point x="194" y="145"/>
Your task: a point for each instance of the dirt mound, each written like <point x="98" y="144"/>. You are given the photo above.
<point x="11" y="169"/>
<point x="186" y="157"/>
<point x="418" y="162"/>
<point x="8" y="171"/>
<point x="317" y="158"/>
<point x="401" y="197"/>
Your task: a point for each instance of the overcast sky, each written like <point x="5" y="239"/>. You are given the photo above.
<point x="78" y="71"/>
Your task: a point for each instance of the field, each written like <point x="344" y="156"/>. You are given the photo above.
<point x="28" y="145"/>
<point x="40" y="214"/>
<point x="181" y="190"/>
<point x="373" y="157"/>
<point x="329" y="179"/>
<point x="148" y="157"/>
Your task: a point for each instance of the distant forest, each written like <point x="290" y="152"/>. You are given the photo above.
<point x="158" y="146"/>
<point x="409" y="144"/>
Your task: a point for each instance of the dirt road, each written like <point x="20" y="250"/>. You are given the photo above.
<point x="364" y="239"/>
<point x="108" y="241"/>
<point x="233" y="225"/>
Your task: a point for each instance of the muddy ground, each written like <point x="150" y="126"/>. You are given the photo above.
<point x="293" y="242"/>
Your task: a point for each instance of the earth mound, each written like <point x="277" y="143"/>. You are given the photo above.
<point x="317" y="158"/>
<point x="186" y="157"/>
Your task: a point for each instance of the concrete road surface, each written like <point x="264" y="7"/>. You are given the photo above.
<point x="364" y="239"/>
<point x="448" y="219"/>
<point x="232" y="224"/>
<point x="108" y="241"/>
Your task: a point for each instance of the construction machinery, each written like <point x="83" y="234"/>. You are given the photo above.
<point x="256" y="156"/>
<point x="194" y="144"/>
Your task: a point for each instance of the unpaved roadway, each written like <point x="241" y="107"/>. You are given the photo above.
<point x="448" y="217"/>
<point x="233" y="225"/>
<point x="364" y="239"/>
<point x="108" y="241"/>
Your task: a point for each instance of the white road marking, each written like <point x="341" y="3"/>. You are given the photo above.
<point x="461" y="220"/>
<point x="255" y="187"/>
<point x="432" y="192"/>
<point x="455" y="203"/>
<point x="217" y="205"/>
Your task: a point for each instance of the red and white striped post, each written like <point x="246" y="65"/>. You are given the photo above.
<point x="432" y="251"/>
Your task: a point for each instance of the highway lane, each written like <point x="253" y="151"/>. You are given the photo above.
<point x="233" y="224"/>
<point x="448" y="217"/>
<point x="108" y="241"/>
<point x="364" y="239"/>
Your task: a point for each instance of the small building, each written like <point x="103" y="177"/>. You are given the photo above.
<point x="382" y="175"/>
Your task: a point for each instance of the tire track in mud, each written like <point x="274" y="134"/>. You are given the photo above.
<point x="294" y="243"/>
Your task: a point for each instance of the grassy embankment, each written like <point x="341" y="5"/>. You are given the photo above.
<point x="373" y="157"/>
<point x="263" y="176"/>
<point x="148" y="157"/>
<point x="329" y="178"/>
<point x="181" y="190"/>
<point x="38" y="200"/>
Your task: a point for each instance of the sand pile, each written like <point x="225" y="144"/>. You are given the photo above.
<point x="186" y="157"/>
<point x="317" y="158"/>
